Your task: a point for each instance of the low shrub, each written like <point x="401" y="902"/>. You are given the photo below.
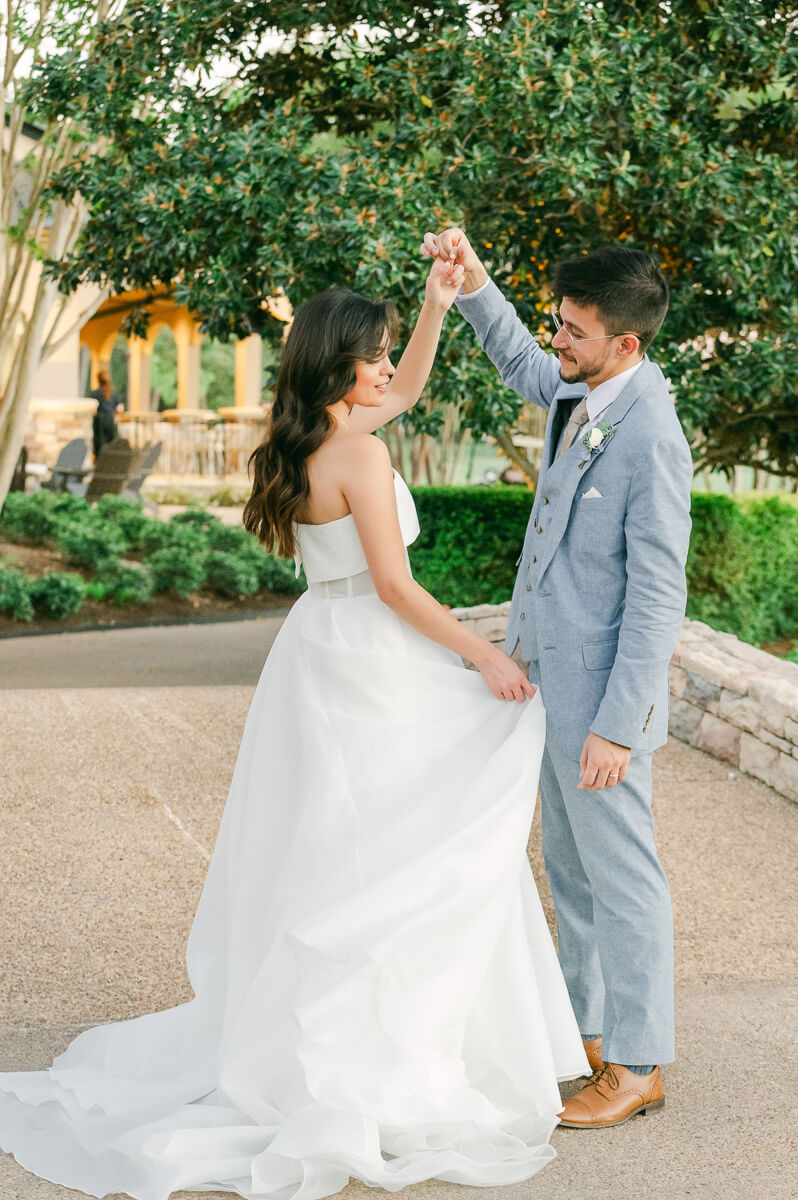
<point x="92" y="543"/>
<point x="277" y="575"/>
<point x="126" y="585"/>
<point x="29" y="519"/>
<point x="58" y="594"/>
<point x="274" y="574"/>
<point x="164" y="535"/>
<point x="177" y="569"/>
<point x="231" y="574"/>
<point x="127" y="515"/>
<point x="198" y="519"/>
<point x="14" y="594"/>
<point x="231" y="539"/>
<point x="67" y="506"/>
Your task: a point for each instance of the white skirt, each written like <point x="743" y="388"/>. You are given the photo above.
<point x="377" y="995"/>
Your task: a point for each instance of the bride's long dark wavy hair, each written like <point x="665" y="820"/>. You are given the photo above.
<point x="330" y="334"/>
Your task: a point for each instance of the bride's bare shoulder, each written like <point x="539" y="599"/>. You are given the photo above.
<point x="364" y="450"/>
<point x="348" y="454"/>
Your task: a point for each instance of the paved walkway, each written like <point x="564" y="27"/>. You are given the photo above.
<point x="111" y="798"/>
<point x="201" y="655"/>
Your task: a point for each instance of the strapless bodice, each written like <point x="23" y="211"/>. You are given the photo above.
<point x="333" y="550"/>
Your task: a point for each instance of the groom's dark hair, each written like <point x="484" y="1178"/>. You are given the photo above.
<point x="626" y="286"/>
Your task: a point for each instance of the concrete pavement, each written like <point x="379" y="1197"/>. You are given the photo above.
<point x="111" y="798"/>
<point x="198" y="655"/>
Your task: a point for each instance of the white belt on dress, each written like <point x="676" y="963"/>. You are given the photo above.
<point x="351" y="585"/>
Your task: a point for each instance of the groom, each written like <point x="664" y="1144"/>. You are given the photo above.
<point x="597" y="608"/>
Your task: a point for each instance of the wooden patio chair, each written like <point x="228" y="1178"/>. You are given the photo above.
<point x="147" y="458"/>
<point x="68" y="466"/>
<point x="112" y="469"/>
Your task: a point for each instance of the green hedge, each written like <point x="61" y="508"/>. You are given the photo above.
<point x="742" y="570"/>
<point x="469" y="541"/>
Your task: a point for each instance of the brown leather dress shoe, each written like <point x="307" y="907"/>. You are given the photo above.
<point x="593" y="1052"/>
<point x="612" y="1097"/>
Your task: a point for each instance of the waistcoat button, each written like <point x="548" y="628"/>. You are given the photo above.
<point x="523" y="616"/>
<point x="529" y="587"/>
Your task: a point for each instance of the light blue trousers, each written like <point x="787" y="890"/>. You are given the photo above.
<point x="614" y="916"/>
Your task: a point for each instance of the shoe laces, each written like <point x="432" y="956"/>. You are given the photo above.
<point x="605" y="1075"/>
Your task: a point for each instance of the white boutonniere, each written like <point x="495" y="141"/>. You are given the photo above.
<point x="596" y="439"/>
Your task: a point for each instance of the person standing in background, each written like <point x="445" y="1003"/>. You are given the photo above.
<point x="103" y="424"/>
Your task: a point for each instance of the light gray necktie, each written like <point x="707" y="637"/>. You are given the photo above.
<point x="577" y="419"/>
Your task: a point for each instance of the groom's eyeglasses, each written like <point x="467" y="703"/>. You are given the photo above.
<point x="574" y="338"/>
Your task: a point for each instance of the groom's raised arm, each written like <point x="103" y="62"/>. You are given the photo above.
<point x="509" y="345"/>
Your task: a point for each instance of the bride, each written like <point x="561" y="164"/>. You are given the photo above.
<point x="376" y="994"/>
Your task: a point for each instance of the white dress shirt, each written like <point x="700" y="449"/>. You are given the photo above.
<point x="601" y="397"/>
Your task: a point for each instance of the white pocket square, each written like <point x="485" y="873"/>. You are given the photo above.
<point x="593" y="494"/>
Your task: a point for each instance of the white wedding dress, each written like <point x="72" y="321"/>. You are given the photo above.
<point x="376" y="991"/>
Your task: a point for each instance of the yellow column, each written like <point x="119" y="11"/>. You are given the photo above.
<point x="188" y="339"/>
<point x="138" y="375"/>
<point x="249" y="366"/>
<point x="97" y="365"/>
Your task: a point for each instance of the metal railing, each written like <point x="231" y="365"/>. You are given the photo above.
<point x="196" y="441"/>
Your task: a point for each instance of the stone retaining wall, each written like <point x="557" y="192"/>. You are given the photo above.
<point x="735" y="702"/>
<point x="53" y="423"/>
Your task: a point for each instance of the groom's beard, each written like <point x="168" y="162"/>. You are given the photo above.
<point x="571" y="372"/>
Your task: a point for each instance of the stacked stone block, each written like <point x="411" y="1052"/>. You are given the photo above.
<point x="53" y="423"/>
<point x="738" y="703"/>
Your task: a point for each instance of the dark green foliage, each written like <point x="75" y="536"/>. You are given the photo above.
<point x="31" y="518"/>
<point x="243" y="549"/>
<point x="177" y="569"/>
<point x="231" y="539"/>
<point x="277" y="575"/>
<point x="65" y="505"/>
<point x="231" y="574"/>
<point x="125" y="585"/>
<point x="198" y="519"/>
<point x="91" y="543"/>
<point x="14" y="594"/>
<point x="58" y="594"/>
<point x="164" y="535"/>
<point x="38" y="517"/>
<point x="127" y="515"/>
<point x="543" y="128"/>
<point x="742" y="571"/>
<point x="470" y="538"/>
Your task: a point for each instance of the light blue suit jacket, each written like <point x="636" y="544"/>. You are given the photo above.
<point x="600" y="593"/>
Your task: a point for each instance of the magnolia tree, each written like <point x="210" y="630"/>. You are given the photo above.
<point x="328" y="138"/>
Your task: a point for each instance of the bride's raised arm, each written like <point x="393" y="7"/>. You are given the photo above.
<point x="412" y="371"/>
